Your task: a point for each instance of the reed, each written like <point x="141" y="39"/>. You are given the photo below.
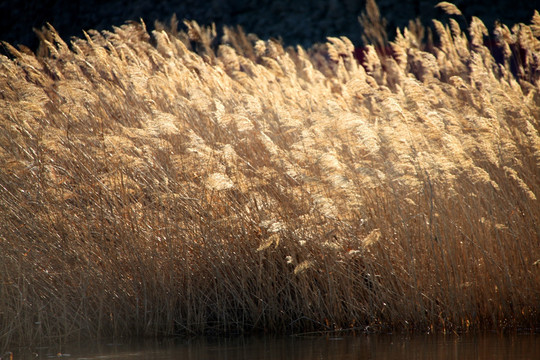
<point x="156" y="184"/>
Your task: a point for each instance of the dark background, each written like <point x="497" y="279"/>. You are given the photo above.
<point x="295" y="21"/>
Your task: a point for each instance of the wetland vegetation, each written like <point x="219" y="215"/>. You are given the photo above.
<point x="169" y="182"/>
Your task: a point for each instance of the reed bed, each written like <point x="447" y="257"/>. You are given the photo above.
<point x="175" y="183"/>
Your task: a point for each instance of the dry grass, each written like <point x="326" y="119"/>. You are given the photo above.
<point x="160" y="184"/>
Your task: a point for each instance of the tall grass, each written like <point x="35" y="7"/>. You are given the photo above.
<point x="171" y="183"/>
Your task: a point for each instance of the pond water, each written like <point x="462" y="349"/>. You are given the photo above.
<point x="490" y="346"/>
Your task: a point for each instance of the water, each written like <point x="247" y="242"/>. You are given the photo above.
<point x="432" y="347"/>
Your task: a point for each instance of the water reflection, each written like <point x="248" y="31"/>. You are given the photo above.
<point x="492" y="347"/>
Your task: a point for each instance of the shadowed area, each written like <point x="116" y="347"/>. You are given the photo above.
<point x="316" y="346"/>
<point x="297" y="22"/>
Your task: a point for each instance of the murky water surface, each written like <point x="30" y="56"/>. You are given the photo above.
<point x="430" y="347"/>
